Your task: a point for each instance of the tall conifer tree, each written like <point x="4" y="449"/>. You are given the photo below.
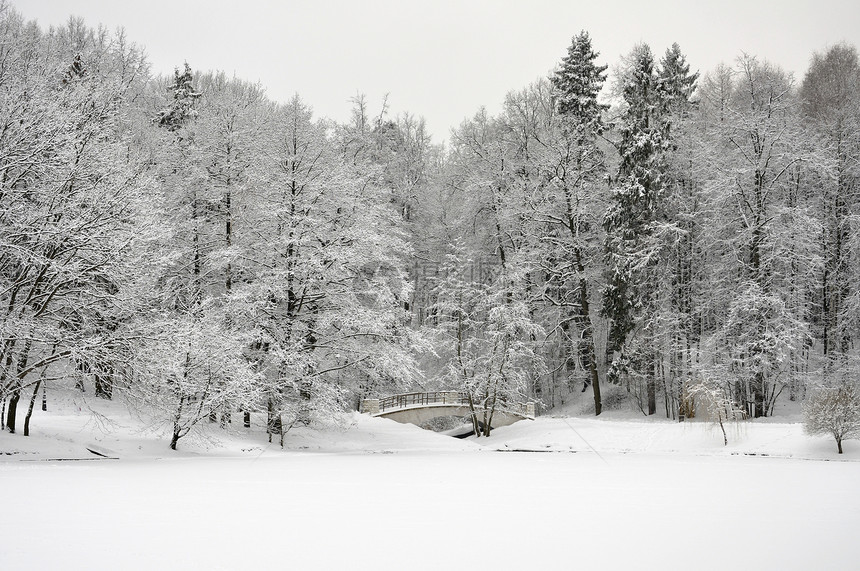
<point x="632" y="222"/>
<point x="677" y="85"/>
<point x="577" y="174"/>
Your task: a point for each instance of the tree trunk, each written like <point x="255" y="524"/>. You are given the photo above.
<point x="272" y="421"/>
<point x="30" y="408"/>
<point x="474" y="415"/>
<point x="12" y="416"/>
<point x="176" y="420"/>
<point x="12" y="413"/>
<point x="652" y="387"/>
<point x="652" y="395"/>
<point x="595" y="385"/>
<point x="103" y="381"/>
<point x="759" y="396"/>
<point x="489" y="419"/>
<point x="197" y="258"/>
<point x="588" y="339"/>
<point x="281" y="429"/>
<point x="304" y="415"/>
<point x="84" y="369"/>
<point x="228" y="237"/>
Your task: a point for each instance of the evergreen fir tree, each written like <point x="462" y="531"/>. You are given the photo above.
<point x="182" y="108"/>
<point x="632" y="220"/>
<point x="676" y="82"/>
<point x="677" y="86"/>
<point x="75" y="71"/>
<point x="576" y="179"/>
<point x="577" y="84"/>
<point x="636" y="198"/>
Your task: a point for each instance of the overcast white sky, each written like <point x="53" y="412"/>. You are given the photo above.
<point x="444" y="59"/>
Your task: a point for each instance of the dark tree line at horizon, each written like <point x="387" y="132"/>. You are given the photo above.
<point x="672" y="240"/>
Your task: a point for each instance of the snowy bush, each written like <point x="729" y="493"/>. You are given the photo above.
<point x="714" y="399"/>
<point x="834" y="411"/>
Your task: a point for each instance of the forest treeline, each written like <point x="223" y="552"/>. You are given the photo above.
<point x="680" y="242"/>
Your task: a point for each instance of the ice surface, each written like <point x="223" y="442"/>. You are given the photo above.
<point x="373" y="494"/>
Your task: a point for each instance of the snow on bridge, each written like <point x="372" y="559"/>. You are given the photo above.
<point x="418" y="408"/>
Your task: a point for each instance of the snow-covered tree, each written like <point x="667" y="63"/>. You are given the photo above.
<point x="573" y="197"/>
<point x="325" y="281"/>
<point x="189" y="367"/>
<point x="714" y="398"/>
<point x="180" y="165"/>
<point x="678" y="329"/>
<point x="182" y="107"/>
<point x="496" y="358"/>
<point x="577" y="84"/>
<point x="636" y="224"/>
<point x="676" y="82"/>
<point x="834" y="411"/>
<point x="829" y="97"/>
<point x="762" y="250"/>
<point x="69" y="194"/>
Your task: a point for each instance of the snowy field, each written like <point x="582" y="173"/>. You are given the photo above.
<point x="367" y="493"/>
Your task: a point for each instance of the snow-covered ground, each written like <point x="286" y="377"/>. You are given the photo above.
<point x="363" y="493"/>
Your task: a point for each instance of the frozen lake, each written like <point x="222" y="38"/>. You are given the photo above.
<point x="432" y="509"/>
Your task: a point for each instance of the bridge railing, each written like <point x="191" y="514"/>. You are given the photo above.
<point x="407" y="400"/>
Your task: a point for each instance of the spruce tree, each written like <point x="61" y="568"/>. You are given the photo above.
<point x="632" y="222"/>
<point x="578" y="83"/>
<point x="182" y="107"/>
<point x="676" y="82"/>
<point x="577" y="175"/>
<point x="677" y="85"/>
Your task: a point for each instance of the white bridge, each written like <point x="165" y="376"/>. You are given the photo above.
<point x="418" y="408"/>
